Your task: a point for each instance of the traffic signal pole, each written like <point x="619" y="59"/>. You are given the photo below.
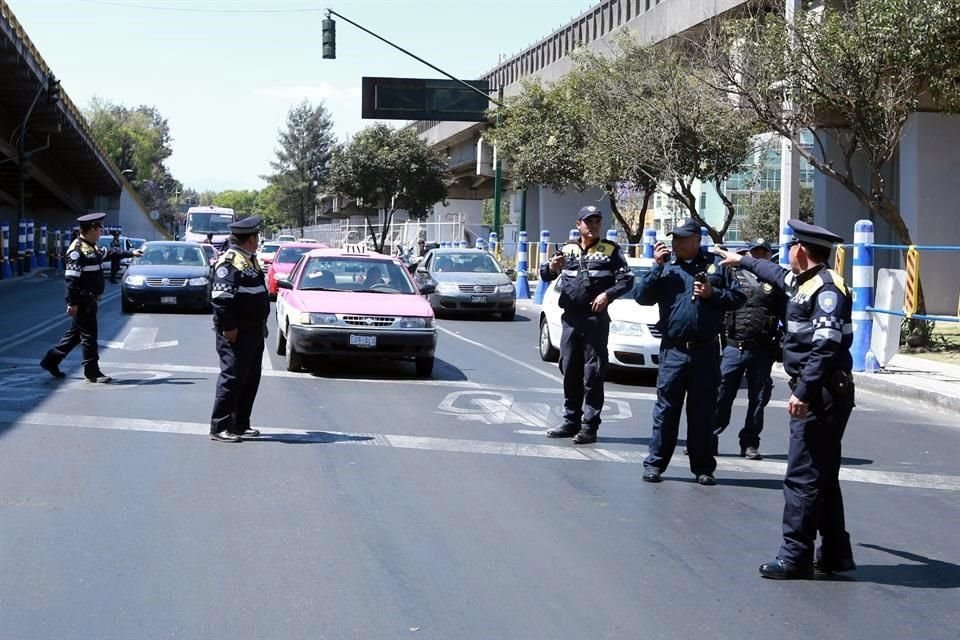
<point x="497" y="174"/>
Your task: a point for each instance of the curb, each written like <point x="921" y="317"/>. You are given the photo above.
<point x="881" y="383"/>
<point x="36" y="274"/>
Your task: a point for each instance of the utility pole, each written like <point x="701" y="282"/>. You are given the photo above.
<point x="497" y="172"/>
<point x="789" y="156"/>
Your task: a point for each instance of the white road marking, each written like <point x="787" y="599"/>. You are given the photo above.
<point x="503" y="355"/>
<point x="489" y="447"/>
<point x="39" y="329"/>
<point x="139" y="339"/>
<point x="265" y="363"/>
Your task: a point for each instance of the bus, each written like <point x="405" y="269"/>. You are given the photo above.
<point x="209" y="219"/>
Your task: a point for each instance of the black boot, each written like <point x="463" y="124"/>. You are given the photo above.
<point x="780" y="570"/>
<point x="52" y="367"/>
<point x="563" y="431"/>
<point x="586" y="435"/>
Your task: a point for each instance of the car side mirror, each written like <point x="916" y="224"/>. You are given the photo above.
<point x="283" y="283"/>
<point x="428" y="289"/>
<point x="511" y="273"/>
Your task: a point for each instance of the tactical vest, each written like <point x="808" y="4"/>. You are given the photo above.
<point x="758" y="318"/>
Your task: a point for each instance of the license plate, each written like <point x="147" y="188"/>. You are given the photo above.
<point x="479" y="299"/>
<point x="363" y="341"/>
<point x="168" y="300"/>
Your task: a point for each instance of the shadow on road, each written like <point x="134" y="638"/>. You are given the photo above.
<point x="121" y="382"/>
<point x="378" y="369"/>
<point x="311" y="437"/>
<point x="850" y="462"/>
<point x="923" y="573"/>
<point x="752" y="483"/>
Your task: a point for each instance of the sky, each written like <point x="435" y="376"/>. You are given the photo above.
<point x="226" y="72"/>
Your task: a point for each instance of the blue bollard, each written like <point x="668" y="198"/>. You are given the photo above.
<point x="786" y="236"/>
<point x="649" y="240"/>
<point x="55" y="256"/>
<point x="862" y="297"/>
<point x="523" y="266"/>
<point x="480" y="244"/>
<point x="612" y="235"/>
<point x="492" y="241"/>
<point x="44" y="247"/>
<point x="31" y="261"/>
<point x="544" y="257"/>
<point x="573" y="236"/>
<point x="705" y="239"/>
<point x="5" y="271"/>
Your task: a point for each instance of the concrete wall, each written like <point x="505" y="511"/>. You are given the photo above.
<point x="135" y="221"/>
<point x="558" y="211"/>
<point x="929" y="163"/>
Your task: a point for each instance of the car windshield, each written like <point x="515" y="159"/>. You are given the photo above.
<point x="217" y="223"/>
<point x="334" y="273"/>
<point x="209" y="251"/>
<point x="289" y="255"/>
<point x="136" y="243"/>
<point x="172" y="255"/>
<point x="105" y="241"/>
<point x="465" y="263"/>
<point x="270" y="247"/>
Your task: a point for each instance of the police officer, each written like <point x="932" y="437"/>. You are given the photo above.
<point x="593" y="273"/>
<point x="693" y="293"/>
<point x="816" y="356"/>
<point x="240" y="310"/>
<point x="752" y="335"/>
<point x="115" y="255"/>
<point x="83" y="275"/>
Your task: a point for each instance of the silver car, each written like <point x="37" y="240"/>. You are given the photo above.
<point x="467" y="281"/>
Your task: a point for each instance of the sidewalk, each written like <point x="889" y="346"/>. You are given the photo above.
<point x="917" y="379"/>
<point x="36" y="273"/>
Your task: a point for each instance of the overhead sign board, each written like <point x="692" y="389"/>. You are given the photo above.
<point x="423" y="99"/>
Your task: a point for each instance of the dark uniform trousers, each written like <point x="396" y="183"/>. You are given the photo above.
<point x="240" y="365"/>
<point x="583" y="361"/>
<point x="756" y="363"/>
<point x="82" y="331"/>
<point x="690" y="372"/>
<point x="811" y="489"/>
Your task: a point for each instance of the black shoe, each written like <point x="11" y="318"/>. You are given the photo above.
<point x="563" y="431"/>
<point x="652" y="474"/>
<point x="820" y="565"/>
<point x="99" y="377"/>
<point x="250" y="432"/>
<point x="706" y="479"/>
<point x="585" y="436"/>
<point x="225" y="436"/>
<point x="780" y="570"/>
<point x="52" y="369"/>
<point x="750" y="453"/>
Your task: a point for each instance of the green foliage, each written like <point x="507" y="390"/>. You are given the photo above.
<point x="763" y="215"/>
<point x="138" y="142"/>
<point x="389" y="169"/>
<point x="853" y="73"/>
<point x="486" y="214"/>
<point x="302" y="161"/>
<point x="243" y="203"/>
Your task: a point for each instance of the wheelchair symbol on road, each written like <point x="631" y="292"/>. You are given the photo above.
<point x="494" y="407"/>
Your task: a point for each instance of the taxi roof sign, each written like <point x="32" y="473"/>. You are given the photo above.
<point x="360" y="248"/>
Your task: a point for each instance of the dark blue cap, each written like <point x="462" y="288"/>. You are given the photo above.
<point x="589" y="211"/>
<point x="759" y="243"/>
<point x="92" y="217"/>
<point x="687" y="229"/>
<point x="247" y="226"/>
<point x="812" y="234"/>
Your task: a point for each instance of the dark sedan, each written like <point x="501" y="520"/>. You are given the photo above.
<point x="168" y="274"/>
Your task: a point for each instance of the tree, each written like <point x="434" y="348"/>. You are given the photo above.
<point x="243" y="203"/>
<point x="763" y="215"/>
<point x="389" y="169"/>
<point x="138" y="141"/>
<point x="486" y="213"/>
<point x="852" y="75"/>
<point x="303" y="161"/>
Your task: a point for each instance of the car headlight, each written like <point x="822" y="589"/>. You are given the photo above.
<point x="506" y="288"/>
<point x="136" y="281"/>
<point x="447" y="288"/>
<point x="318" y="318"/>
<point x="623" y="328"/>
<point x="198" y="282"/>
<point x="415" y="323"/>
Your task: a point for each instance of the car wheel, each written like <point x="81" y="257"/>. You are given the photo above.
<point x="508" y="315"/>
<point x="125" y="307"/>
<point x="548" y="352"/>
<point x="424" y="367"/>
<point x="281" y="343"/>
<point x="294" y="359"/>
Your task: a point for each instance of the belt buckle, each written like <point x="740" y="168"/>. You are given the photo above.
<point x="689" y="345"/>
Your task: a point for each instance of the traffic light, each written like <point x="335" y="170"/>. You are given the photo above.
<point x="329" y="39"/>
<point x="53" y="89"/>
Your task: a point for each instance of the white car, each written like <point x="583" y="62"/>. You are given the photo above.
<point x="634" y="338"/>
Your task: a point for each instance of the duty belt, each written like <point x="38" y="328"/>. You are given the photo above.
<point x="690" y="344"/>
<point x="743" y="344"/>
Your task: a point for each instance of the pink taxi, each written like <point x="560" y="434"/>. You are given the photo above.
<point x="352" y="303"/>
<point x="283" y="260"/>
